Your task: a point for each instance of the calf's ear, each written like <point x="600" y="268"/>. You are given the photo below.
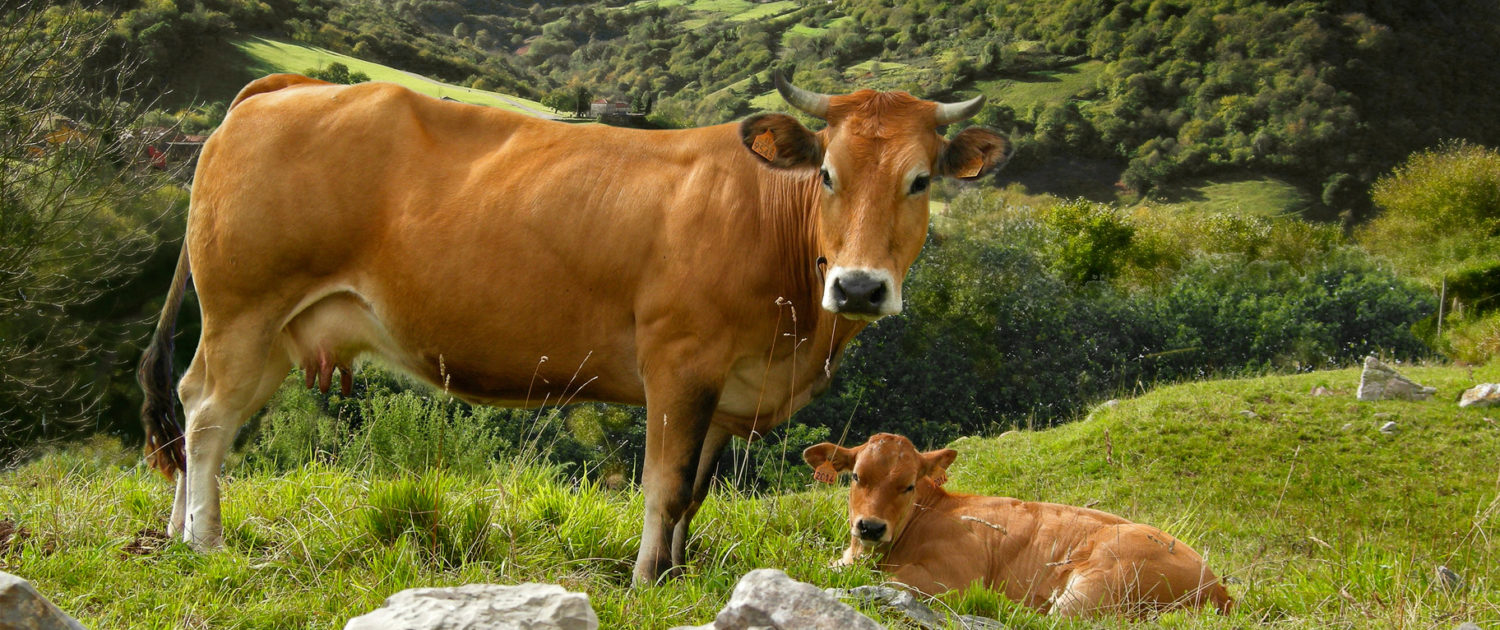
<point x="781" y="141"/>
<point x="829" y="459"/>
<point x="972" y="153"/>
<point x="935" y="464"/>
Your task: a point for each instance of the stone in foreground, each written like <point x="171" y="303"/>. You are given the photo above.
<point x="766" y="599"/>
<point x="894" y="600"/>
<point x="482" y="607"/>
<point x="23" y="608"/>
<point x="1381" y="382"/>
<point x="1482" y="395"/>
<point x="904" y="603"/>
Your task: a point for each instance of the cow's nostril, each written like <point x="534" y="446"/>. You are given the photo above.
<point x="878" y="295"/>
<point x="840" y="295"/>
<point x="871" y="530"/>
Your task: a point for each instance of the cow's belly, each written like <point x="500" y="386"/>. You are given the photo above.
<point x="495" y="356"/>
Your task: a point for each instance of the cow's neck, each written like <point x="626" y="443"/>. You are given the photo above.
<point x="927" y="506"/>
<point x="793" y="200"/>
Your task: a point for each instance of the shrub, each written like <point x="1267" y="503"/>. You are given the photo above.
<point x="1439" y="212"/>
<point x="419" y="509"/>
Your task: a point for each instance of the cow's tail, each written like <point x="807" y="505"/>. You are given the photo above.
<point x="271" y="83"/>
<point x="164" y="442"/>
<point x="1220" y="597"/>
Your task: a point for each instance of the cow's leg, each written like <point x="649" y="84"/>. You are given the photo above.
<point x="708" y="460"/>
<point x="234" y="372"/>
<point x="678" y="410"/>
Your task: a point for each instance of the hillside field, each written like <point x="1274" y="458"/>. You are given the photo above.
<point x="1318" y="519"/>
<point x="220" y="75"/>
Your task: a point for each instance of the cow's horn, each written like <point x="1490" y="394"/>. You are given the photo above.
<point x="811" y="102"/>
<point x="949" y="113"/>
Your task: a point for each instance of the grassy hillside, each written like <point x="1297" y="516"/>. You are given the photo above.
<point x="1247" y="194"/>
<point x="1044" y="87"/>
<point x="1319" y="519"/>
<point x="220" y="75"/>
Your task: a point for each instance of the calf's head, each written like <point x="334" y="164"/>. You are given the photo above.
<point x="874" y="162"/>
<point x="887" y="472"/>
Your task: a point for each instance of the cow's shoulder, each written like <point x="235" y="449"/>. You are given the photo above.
<point x="272" y="83"/>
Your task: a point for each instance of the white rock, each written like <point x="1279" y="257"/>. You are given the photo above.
<point x="766" y="599"/>
<point x="1468" y="625"/>
<point x="1482" y="395"/>
<point x="482" y="607"/>
<point x="893" y="600"/>
<point x="1388" y="428"/>
<point x="23" y="608"/>
<point x="1380" y="382"/>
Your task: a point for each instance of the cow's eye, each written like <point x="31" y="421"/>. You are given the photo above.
<point x="919" y="185"/>
<point x="856" y="478"/>
<point x="827" y="179"/>
<point x="911" y="487"/>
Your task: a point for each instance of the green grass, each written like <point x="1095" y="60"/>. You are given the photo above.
<point x="1043" y="87"/>
<point x="1320" y="519"/>
<point x="277" y="55"/>
<point x="1252" y="195"/>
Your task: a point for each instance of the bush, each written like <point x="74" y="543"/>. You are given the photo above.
<point x="997" y="333"/>
<point x="1439" y="212"/>
<point x="419" y="508"/>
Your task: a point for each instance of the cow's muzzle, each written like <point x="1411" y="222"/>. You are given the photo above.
<point x="870" y="530"/>
<point x="867" y="294"/>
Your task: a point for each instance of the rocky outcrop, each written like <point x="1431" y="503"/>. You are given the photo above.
<point x="896" y="602"/>
<point x="23" y="608"/>
<point x="766" y="599"/>
<point x="1482" y="395"/>
<point x="482" y="607"/>
<point x="1380" y="382"/>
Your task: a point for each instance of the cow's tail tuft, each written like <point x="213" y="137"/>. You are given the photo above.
<point x="1221" y="598"/>
<point x="271" y="83"/>
<point x="164" y="441"/>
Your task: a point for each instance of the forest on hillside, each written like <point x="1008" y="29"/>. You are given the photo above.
<point x="1023" y="309"/>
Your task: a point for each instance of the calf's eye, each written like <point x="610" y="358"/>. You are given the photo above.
<point x="919" y="185"/>
<point x="827" y="179"/>
<point x="856" y="478"/>
<point x="911" y="487"/>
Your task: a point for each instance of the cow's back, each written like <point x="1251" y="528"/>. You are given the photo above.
<point x="453" y="224"/>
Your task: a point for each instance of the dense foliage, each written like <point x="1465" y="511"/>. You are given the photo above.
<point x="1439" y="221"/>
<point x="78" y="224"/>
<point x="1012" y="318"/>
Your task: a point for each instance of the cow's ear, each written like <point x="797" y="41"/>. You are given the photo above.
<point x="781" y="141"/>
<point x="972" y="153"/>
<point x="935" y="464"/>
<point x="829" y="459"/>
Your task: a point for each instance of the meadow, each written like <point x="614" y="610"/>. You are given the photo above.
<point x="1316" y="518"/>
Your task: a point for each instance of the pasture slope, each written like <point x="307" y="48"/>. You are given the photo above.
<point x="1319" y="519"/>
<point x="220" y="74"/>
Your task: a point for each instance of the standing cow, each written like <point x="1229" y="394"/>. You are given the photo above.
<point x="681" y="270"/>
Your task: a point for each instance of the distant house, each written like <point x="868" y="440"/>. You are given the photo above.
<point x="601" y="107"/>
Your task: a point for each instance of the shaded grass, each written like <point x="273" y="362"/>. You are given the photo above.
<point x="1042" y="87"/>
<point x="1259" y="195"/>
<point x="1320" y="525"/>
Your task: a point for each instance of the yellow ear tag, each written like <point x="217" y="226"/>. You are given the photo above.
<point x="825" y="472"/>
<point x="765" y="145"/>
<point x="970" y="169"/>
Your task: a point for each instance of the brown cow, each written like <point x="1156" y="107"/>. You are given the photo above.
<point x="504" y="257"/>
<point x="1061" y="559"/>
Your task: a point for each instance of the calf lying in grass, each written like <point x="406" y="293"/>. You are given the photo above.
<point x="1055" y="558"/>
